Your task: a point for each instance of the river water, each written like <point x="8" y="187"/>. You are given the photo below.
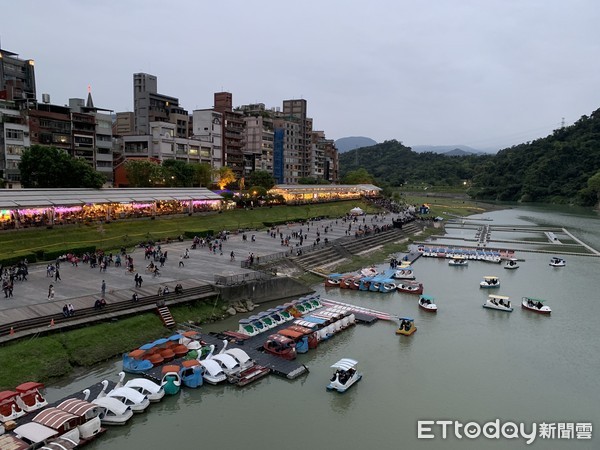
<point x="465" y="363"/>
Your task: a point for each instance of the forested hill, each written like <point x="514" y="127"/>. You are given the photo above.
<point x="561" y="168"/>
<point x="393" y="163"/>
<point x="553" y="169"/>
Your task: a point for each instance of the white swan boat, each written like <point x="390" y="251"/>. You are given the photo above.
<point x="137" y="401"/>
<point x="498" y="302"/>
<point x="114" y="411"/>
<point x="228" y="363"/>
<point x="345" y="375"/>
<point x="213" y="372"/>
<point x="153" y="391"/>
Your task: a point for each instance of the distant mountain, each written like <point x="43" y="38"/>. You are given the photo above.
<point x="350" y="143"/>
<point x="449" y="150"/>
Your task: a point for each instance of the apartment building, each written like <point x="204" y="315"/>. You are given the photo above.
<point x="232" y="133"/>
<point x="258" y="137"/>
<point x="207" y="127"/>
<point x="17" y="77"/>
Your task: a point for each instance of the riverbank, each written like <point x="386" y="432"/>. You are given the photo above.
<point x="55" y="356"/>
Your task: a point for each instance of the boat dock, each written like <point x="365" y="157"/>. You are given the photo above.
<point x="253" y="345"/>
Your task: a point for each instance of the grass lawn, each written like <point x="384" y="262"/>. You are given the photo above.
<point x="127" y="233"/>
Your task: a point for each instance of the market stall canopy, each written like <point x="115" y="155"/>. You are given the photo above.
<point x="356" y="211"/>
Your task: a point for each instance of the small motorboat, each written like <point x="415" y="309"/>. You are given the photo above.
<point x="535" y="305"/>
<point x="30" y="398"/>
<point x="427" y="302"/>
<point x="407" y="326"/>
<point x="345" y="375"/>
<point x="171" y="379"/>
<point x="458" y="261"/>
<point x="499" y="302"/>
<point x="490" y="281"/>
<point x="558" y="262"/>
<point x="410" y="287"/>
<point x="282" y="346"/>
<point x="511" y="264"/>
<point x="300" y="339"/>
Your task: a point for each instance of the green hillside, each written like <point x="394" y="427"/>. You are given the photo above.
<point x="561" y="168"/>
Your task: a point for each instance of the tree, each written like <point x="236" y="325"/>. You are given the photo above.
<point x="50" y="167"/>
<point x="178" y="173"/>
<point x="262" y="178"/>
<point x="359" y="176"/>
<point x="202" y="174"/>
<point x="312" y="180"/>
<point x="143" y="173"/>
<point x="226" y="177"/>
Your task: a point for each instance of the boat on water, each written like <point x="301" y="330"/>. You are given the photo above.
<point x="89" y="424"/>
<point x="499" y="302"/>
<point x="427" y="303"/>
<point x="345" y="375"/>
<point x="333" y="280"/>
<point x="490" y="281"/>
<point x="171" y="379"/>
<point x="511" y="264"/>
<point x="407" y="326"/>
<point x="249" y="370"/>
<point x="369" y="271"/>
<point x="409" y="287"/>
<point x="404" y="273"/>
<point x="213" y="372"/>
<point x="281" y="346"/>
<point x="535" y="305"/>
<point x="9" y="408"/>
<point x="192" y="373"/>
<point x="78" y="428"/>
<point x="30" y="398"/>
<point x="458" y="261"/>
<point x="153" y="391"/>
<point x="33" y="435"/>
<point x="347" y="281"/>
<point x="114" y="412"/>
<point x="558" y="262"/>
<point x="137" y="401"/>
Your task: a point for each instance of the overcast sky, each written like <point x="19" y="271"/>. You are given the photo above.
<point x="483" y="73"/>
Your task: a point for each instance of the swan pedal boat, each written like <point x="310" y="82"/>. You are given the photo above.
<point x="535" y="305"/>
<point x="345" y="375"/>
<point x="498" y="302"/>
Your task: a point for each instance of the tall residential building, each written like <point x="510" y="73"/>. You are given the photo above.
<point x="150" y="106"/>
<point x="207" y="127"/>
<point x="258" y="137"/>
<point x="14" y="138"/>
<point x="92" y="135"/>
<point x="17" y="77"/>
<point x="297" y="109"/>
<point x="124" y="124"/>
<point x="233" y="133"/>
<point x="287" y="167"/>
<point x="324" y="158"/>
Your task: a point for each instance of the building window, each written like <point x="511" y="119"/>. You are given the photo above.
<point x="15" y="135"/>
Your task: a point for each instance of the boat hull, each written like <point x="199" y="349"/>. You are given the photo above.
<point x="543" y="310"/>
<point x="497" y="308"/>
<point x="341" y="388"/>
<point x="428" y="308"/>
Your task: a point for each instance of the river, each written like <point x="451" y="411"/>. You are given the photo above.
<point x="465" y="363"/>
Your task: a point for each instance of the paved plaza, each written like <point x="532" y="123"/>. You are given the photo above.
<point x="81" y="285"/>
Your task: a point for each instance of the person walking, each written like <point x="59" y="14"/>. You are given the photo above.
<point x="136" y="278"/>
<point x="103" y="288"/>
<point x="51" y="292"/>
<point x="57" y="275"/>
<point x="181" y="264"/>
